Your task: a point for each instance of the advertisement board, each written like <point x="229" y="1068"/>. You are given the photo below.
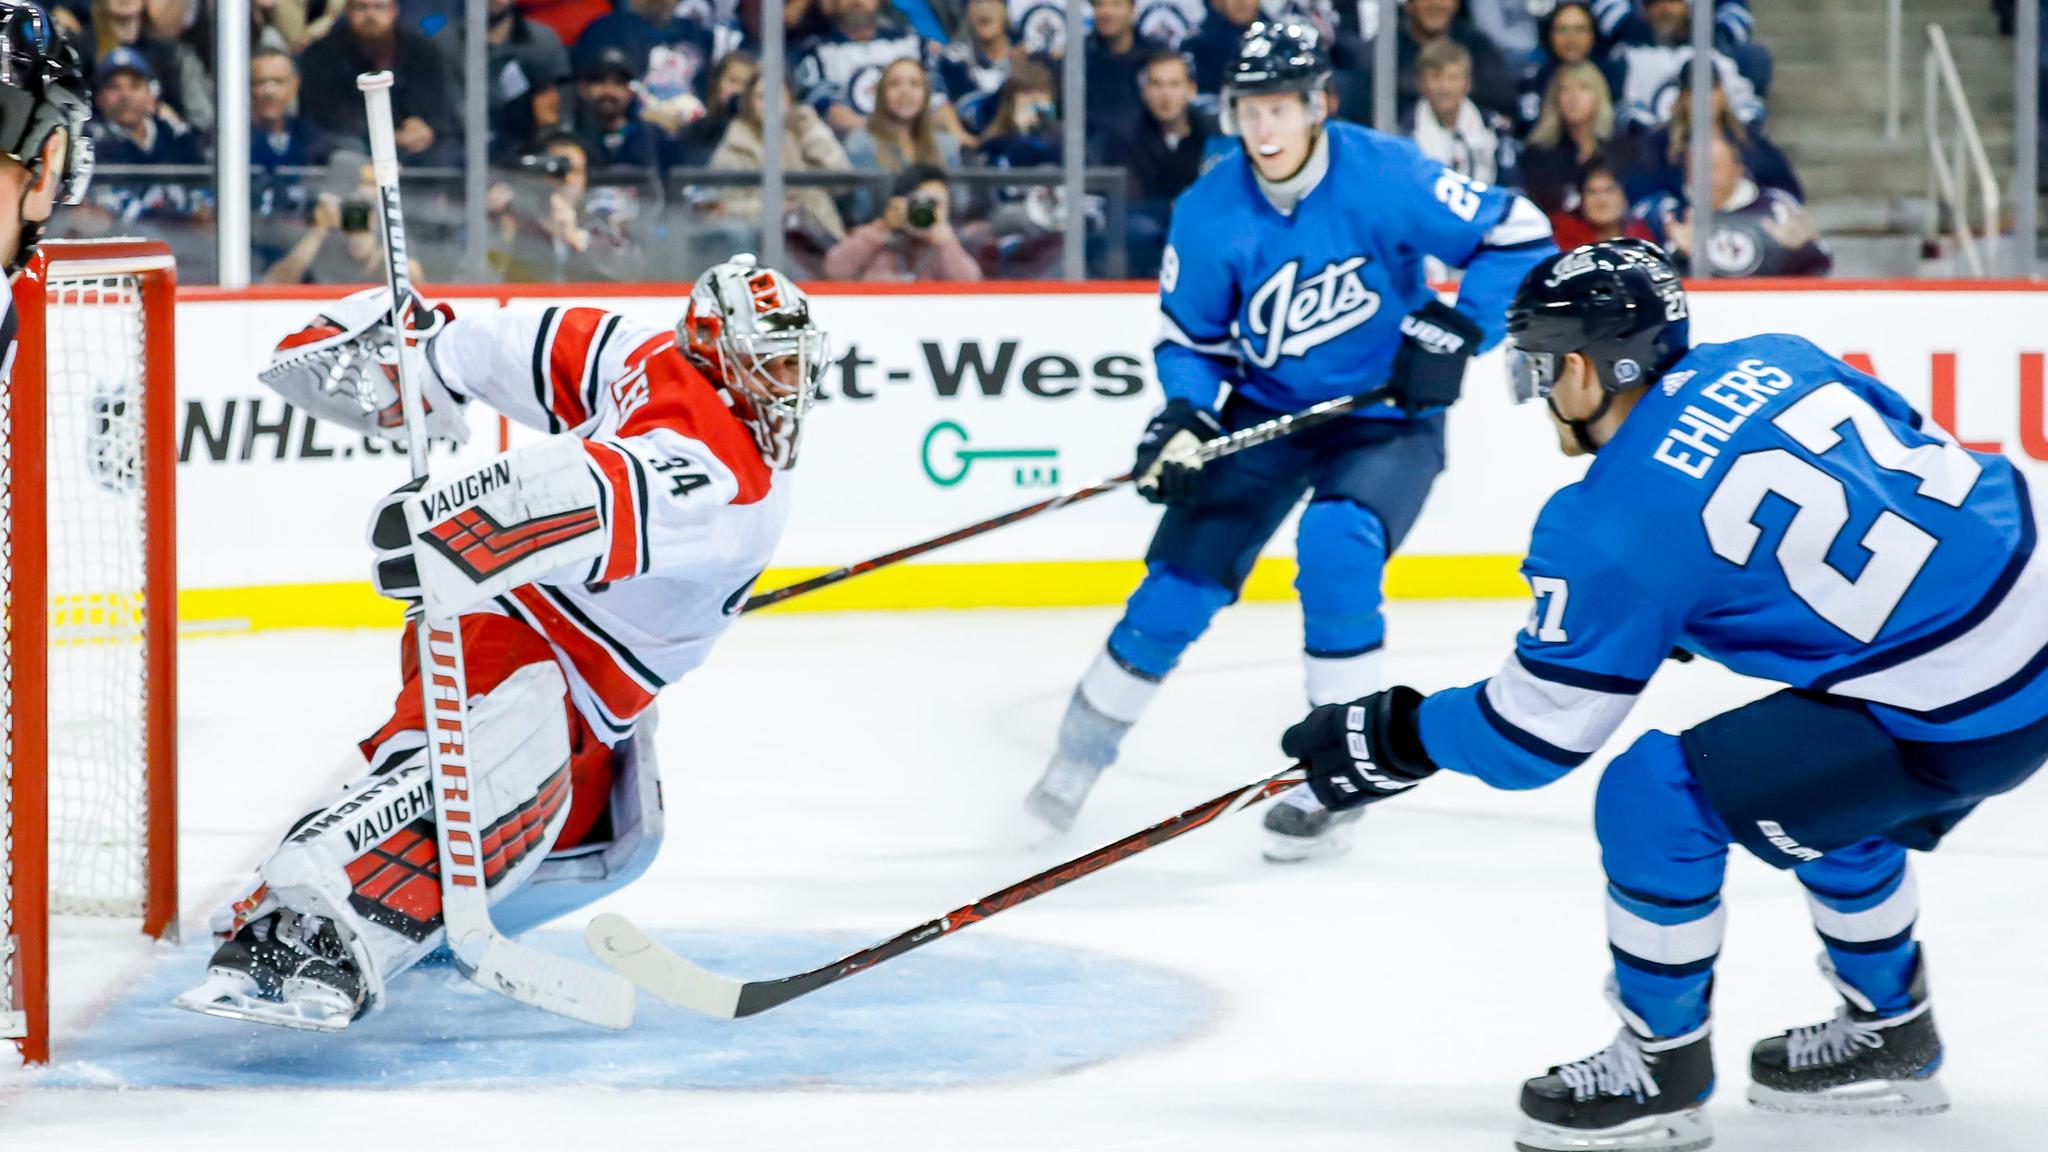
<point x="942" y="408"/>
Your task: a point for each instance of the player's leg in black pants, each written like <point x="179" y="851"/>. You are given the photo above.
<point x="1197" y="562"/>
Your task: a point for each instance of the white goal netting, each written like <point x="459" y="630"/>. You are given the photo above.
<point x="98" y="766"/>
<point x="96" y="524"/>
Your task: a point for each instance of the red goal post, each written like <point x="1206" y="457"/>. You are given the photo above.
<point x="88" y="793"/>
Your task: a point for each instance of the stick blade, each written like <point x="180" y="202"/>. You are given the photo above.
<point x="555" y="985"/>
<point x="637" y="957"/>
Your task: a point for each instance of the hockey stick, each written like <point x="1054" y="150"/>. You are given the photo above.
<point x="577" y="991"/>
<point x="1236" y="441"/>
<point x="632" y="952"/>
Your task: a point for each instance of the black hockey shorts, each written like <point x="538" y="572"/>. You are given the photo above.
<point x="1798" y="773"/>
<point x="1386" y="466"/>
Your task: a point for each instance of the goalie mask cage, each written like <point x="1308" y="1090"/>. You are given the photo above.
<point x="88" y="809"/>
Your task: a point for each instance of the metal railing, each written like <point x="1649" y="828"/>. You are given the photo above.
<point x="672" y="197"/>
<point x="1949" y="175"/>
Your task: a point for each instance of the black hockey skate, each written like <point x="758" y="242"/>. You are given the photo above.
<point x="1857" y="1064"/>
<point x="1638" y="1094"/>
<point x="285" y="969"/>
<point x="1299" y="828"/>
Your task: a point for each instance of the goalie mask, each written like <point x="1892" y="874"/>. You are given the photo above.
<point x="751" y="328"/>
<point x="42" y="90"/>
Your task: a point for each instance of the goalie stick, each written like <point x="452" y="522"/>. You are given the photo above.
<point x="481" y="953"/>
<point x="1237" y="441"/>
<point x="632" y="952"/>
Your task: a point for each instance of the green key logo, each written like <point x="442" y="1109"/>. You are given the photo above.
<point x="962" y="459"/>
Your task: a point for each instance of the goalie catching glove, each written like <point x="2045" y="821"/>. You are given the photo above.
<point x="341" y="368"/>
<point x="515" y="519"/>
<point x="1364" y="751"/>
<point x="1169" y="468"/>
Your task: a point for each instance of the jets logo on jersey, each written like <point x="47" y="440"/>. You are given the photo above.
<point x="1288" y="315"/>
<point x="1168" y="22"/>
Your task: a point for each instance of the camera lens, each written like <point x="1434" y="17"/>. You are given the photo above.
<point x="921" y="212"/>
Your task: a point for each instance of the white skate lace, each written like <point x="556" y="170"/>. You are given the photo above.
<point x="1616" y="1070"/>
<point x="1834" y="1042"/>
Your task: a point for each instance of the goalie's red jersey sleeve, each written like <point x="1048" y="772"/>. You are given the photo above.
<point x="692" y="512"/>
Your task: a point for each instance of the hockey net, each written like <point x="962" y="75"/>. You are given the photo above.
<point x="87" y="546"/>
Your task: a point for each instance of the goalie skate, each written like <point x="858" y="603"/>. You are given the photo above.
<point x="285" y="970"/>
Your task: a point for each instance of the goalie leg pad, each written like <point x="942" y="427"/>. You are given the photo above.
<point x="370" y="863"/>
<point x="577" y="874"/>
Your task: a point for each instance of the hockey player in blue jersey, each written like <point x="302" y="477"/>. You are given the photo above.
<point x="1765" y="505"/>
<point x="1294" y="274"/>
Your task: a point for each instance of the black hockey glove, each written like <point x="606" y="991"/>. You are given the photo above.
<point x="1167" y="469"/>
<point x="394" y="572"/>
<point x="1363" y="751"/>
<point x="1429" y="367"/>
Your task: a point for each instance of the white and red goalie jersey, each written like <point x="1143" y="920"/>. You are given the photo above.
<point x="688" y="510"/>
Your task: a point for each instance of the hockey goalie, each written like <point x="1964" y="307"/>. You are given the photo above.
<point x="588" y="570"/>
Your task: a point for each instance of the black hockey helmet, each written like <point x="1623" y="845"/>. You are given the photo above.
<point x="1277" y="57"/>
<point x="1618" y="303"/>
<point x="42" y="88"/>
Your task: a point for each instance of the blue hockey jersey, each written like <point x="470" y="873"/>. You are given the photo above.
<point x="1293" y="309"/>
<point x="1774" y="509"/>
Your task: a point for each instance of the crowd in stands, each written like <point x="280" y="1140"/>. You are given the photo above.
<point x="623" y="134"/>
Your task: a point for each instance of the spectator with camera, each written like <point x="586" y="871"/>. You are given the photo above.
<point x="549" y="224"/>
<point x="837" y="71"/>
<point x="527" y="67"/>
<point x="607" y="112"/>
<point x="341" y="244"/>
<point x="423" y="105"/>
<point x="1025" y="132"/>
<point x="1449" y="127"/>
<point x="726" y="89"/>
<point x="913" y="239"/>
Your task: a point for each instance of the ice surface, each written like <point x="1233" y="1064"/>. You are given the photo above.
<point x="853" y="775"/>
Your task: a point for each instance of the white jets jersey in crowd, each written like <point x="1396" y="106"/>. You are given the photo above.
<point x="691" y="511"/>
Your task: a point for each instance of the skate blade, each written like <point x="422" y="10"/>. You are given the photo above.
<point x="1687" y="1131"/>
<point x="1874" y="1098"/>
<point x="232" y="996"/>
